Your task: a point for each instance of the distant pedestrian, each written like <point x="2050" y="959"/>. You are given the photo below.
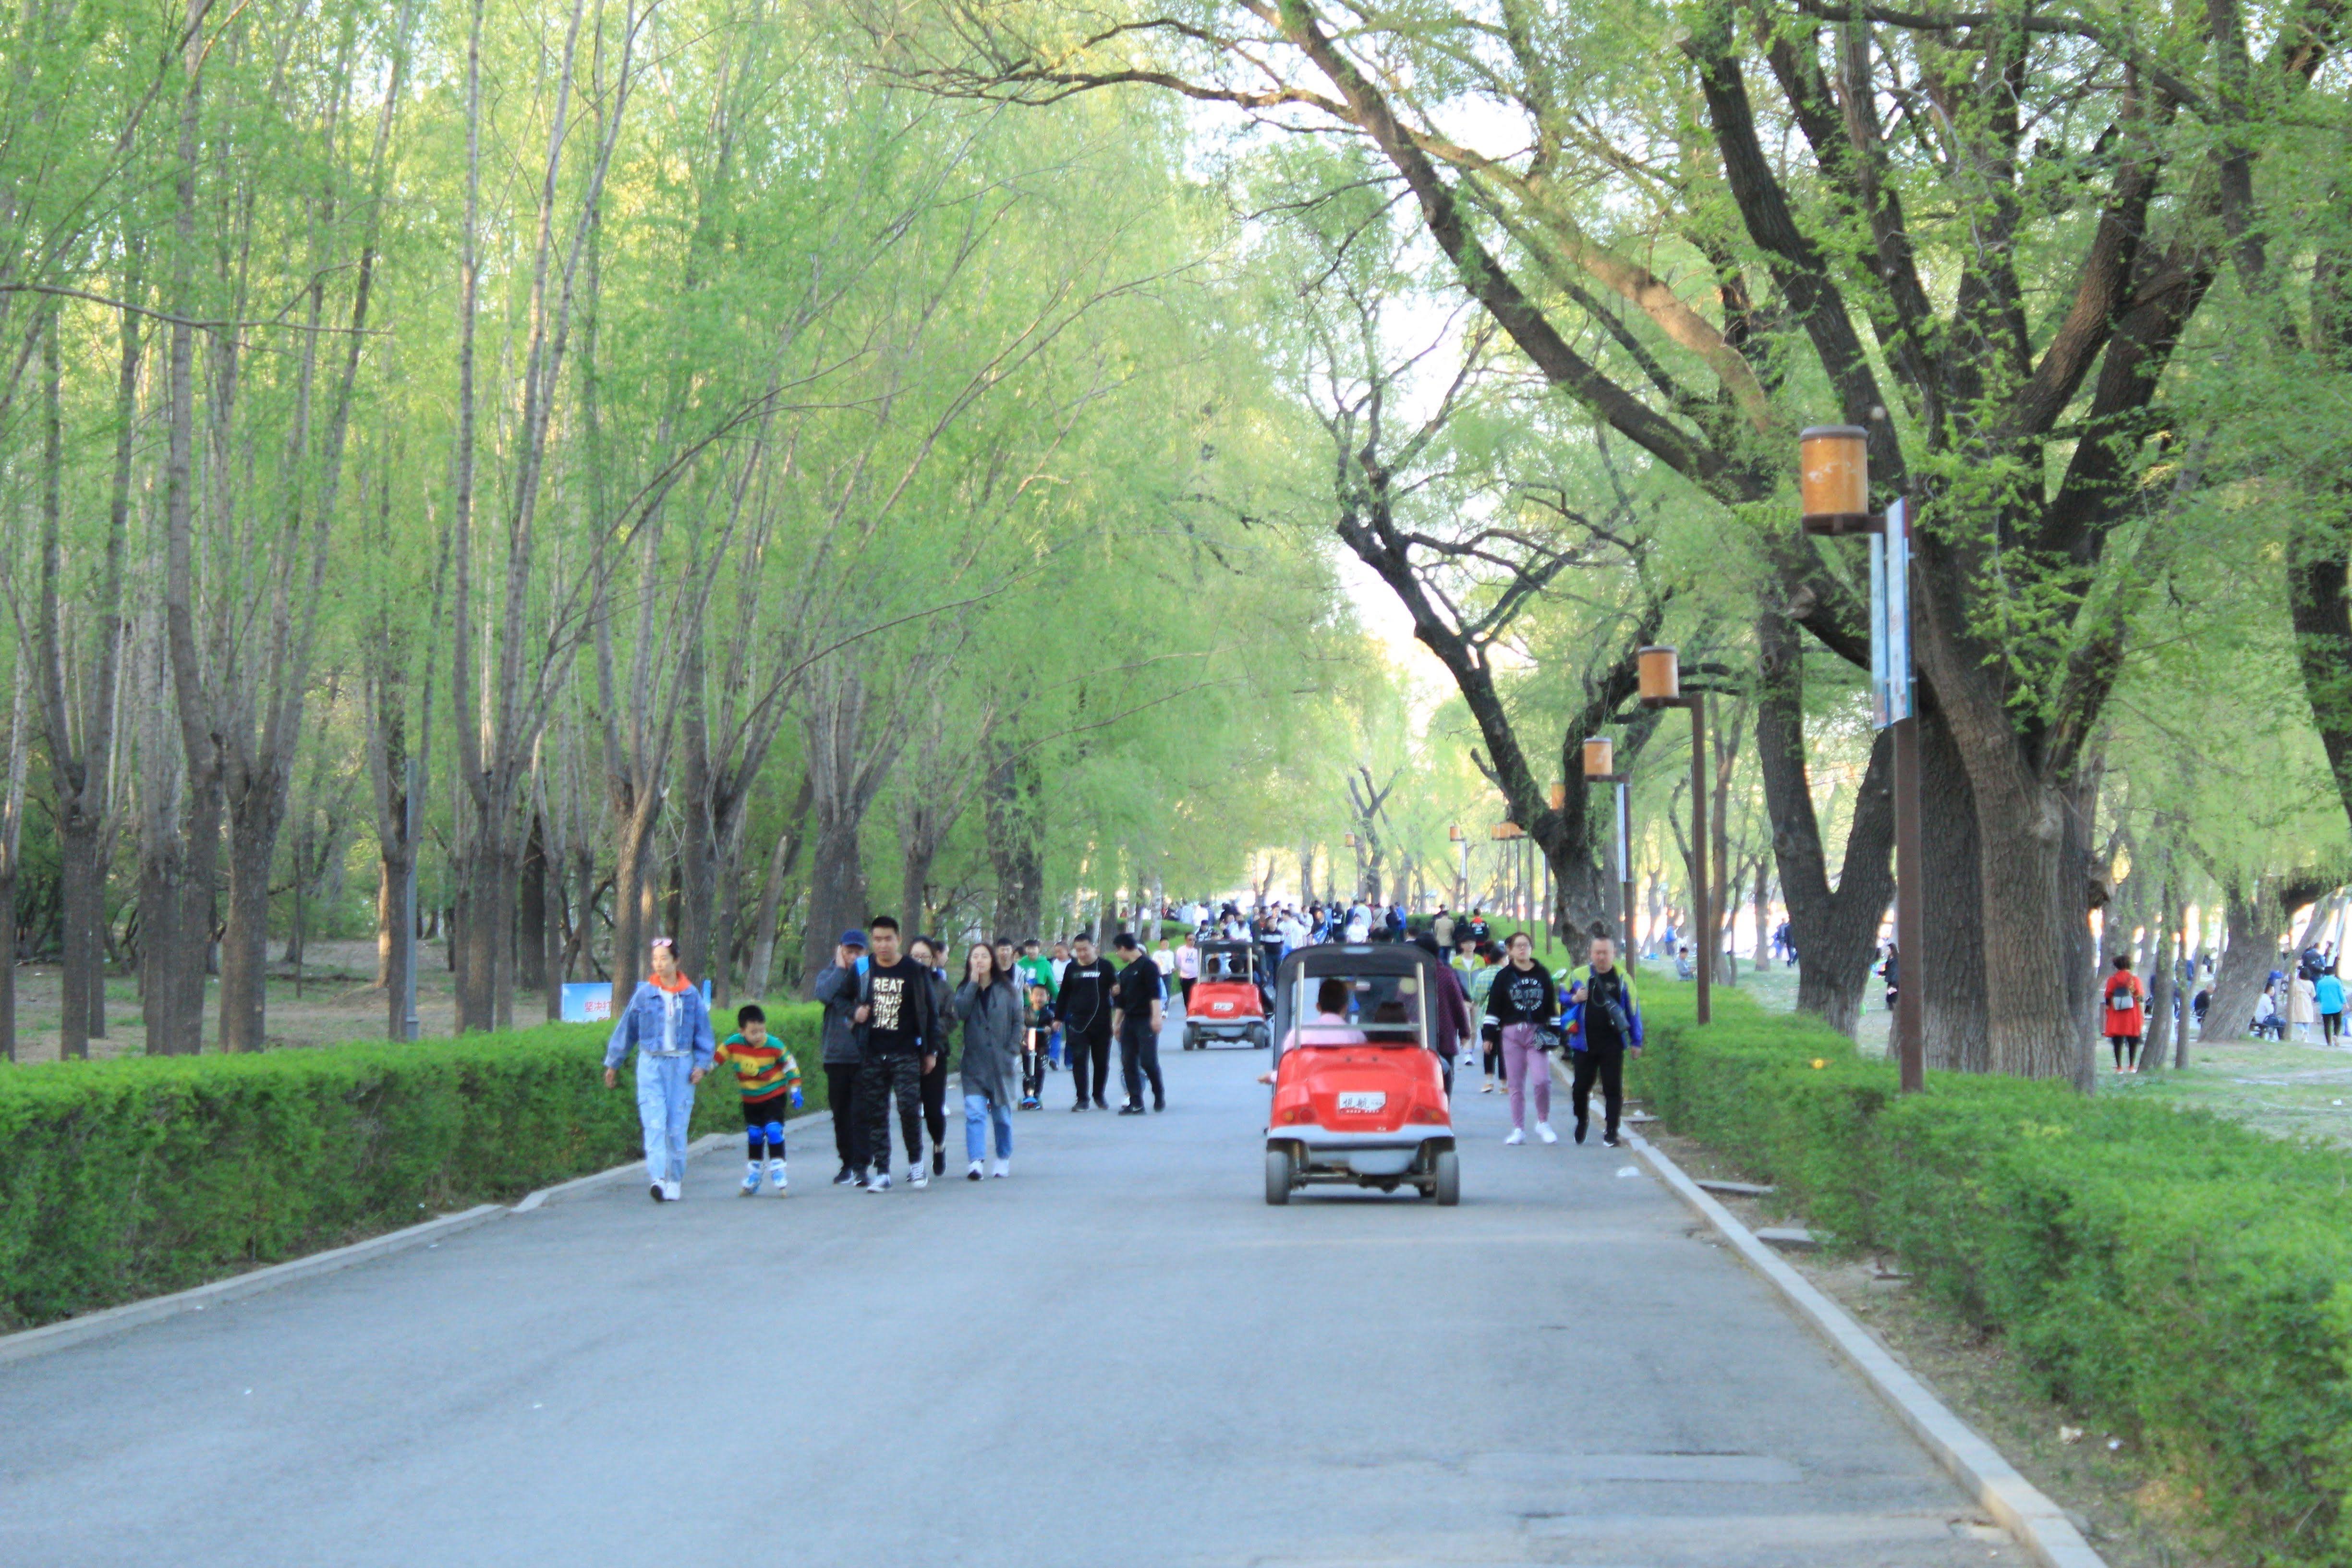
<point x="1037" y="1021"/>
<point x="1137" y="1014"/>
<point x="1521" y="1004"/>
<point x="1604" y="1028"/>
<point x="2303" y="1004"/>
<point x="1084" y="1004"/>
<point x="896" y="1031"/>
<point x="838" y="1053"/>
<point x="2125" y="1021"/>
<point x="2329" y="995"/>
<point x="990" y="1006"/>
<point x="769" y="1079"/>
<point x="1451" y="1010"/>
<point x="666" y="1022"/>
<point x="1442" y="927"/>
<point x="1188" y="967"/>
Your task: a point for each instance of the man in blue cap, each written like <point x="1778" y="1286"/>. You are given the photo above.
<point x="836" y="988"/>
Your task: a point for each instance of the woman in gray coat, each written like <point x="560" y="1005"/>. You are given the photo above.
<point x="989" y="1006"/>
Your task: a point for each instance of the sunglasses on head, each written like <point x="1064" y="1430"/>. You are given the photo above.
<point x="663" y="941"/>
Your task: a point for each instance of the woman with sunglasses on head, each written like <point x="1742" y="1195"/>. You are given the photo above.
<point x="666" y="1022"/>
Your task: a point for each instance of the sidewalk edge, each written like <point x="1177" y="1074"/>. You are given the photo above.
<point x="2022" y="1508"/>
<point x="29" y="1343"/>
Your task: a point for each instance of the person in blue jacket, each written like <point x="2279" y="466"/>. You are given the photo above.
<point x="1604" y="1026"/>
<point x="670" y="1028"/>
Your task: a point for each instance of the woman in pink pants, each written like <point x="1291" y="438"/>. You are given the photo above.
<point x="1522" y="1001"/>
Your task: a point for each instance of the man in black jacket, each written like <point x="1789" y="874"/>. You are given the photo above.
<point x="1137" y="1014"/>
<point x="836" y="988"/>
<point x="899" y="1034"/>
<point x="1085" y="1004"/>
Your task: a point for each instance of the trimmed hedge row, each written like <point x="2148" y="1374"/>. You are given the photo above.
<point x="136" y="1177"/>
<point x="2176" y="1276"/>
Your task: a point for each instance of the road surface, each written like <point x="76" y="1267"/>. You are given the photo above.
<point x="1119" y="1356"/>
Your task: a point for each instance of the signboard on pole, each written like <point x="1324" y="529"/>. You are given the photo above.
<point x="587" y="1001"/>
<point x="1890" y="618"/>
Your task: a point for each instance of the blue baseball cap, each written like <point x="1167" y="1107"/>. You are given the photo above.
<point x="853" y="939"/>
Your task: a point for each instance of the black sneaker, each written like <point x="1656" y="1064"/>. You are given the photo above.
<point x="1158" y="1105"/>
<point x="938" y="1161"/>
<point x="1609" y="1139"/>
<point x="1580" y="1131"/>
<point x="847" y="1178"/>
<point x="1131" y="1110"/>
<point x="1079" y="1106"/>
<point x="1102" y="1105"/>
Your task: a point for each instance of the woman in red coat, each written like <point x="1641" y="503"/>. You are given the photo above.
<point x="2125" y="1024"/>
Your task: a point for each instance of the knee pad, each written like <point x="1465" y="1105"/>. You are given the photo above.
<point x="775" y="1132"/>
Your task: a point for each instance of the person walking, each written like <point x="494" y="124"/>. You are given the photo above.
<point x="2328" y="993"/>
<point x="1135" y="1016"/>
<point x="1085" y="1004"/>
<point x="1521" y="1005"/>
<point x="931" y="953"/>
<point x="994" y="1016"/>
<point x="840" y="1055"/>
<point x="666" y="1022"/>
<point x="1188" y="968"/>
<point x="1604" y="1028"/>
<point x="1450" y="1010"/>
<point x="1442" y="927"/>
<point x="896" y="1031"/>
<point x="768" y="1079"/>
<point x="2303" y="1004"/>
<point x="2125" y="1022"/>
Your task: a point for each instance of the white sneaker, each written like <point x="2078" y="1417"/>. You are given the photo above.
<point x="971" y="1171"/>
<point x="880" y="1182"/>
<point x="1544" y="1132"/>
<point x="919" y="1174"/>
<point x="1517" y="1137"/>
<point x="777" y="1179"/>
<point x="673" y="1191"/>
<point x="1004" y="1168"/>
<point x="751" y="1188"/>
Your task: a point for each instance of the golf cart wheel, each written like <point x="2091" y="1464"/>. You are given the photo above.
<point x="1449" y="1179"/>
<point x="1277" y="1176"/>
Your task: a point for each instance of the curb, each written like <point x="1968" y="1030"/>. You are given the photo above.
<point x="28" y="1342"/>
<point x="2038" y="1524"/>
<point x="132" y="1314"/>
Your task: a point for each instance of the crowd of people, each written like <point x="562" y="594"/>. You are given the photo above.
<point x="893" y="1014"/>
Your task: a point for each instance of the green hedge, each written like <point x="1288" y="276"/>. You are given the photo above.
<point x="2177" y="1277"/>
<point x="136" y="1177"/>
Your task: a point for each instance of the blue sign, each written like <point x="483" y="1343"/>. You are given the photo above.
<point x="1890" y="618"/>
<point x="587" y="1002"/>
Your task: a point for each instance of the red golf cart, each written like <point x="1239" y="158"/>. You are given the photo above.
<point x="1359" y="1096"/>
<point x="1227" y="1003"/>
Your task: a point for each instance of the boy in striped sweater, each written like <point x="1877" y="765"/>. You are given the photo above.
<point x="767" y="1077"/>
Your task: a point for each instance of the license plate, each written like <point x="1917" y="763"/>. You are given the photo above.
<point x="1363" y="1102"/>
<point x="1222" y="1007"/>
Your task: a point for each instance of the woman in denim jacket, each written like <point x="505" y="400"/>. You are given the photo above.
<point x="669" y="1025"/>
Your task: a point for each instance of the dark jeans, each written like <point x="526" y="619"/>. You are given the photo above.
<point x="1139" y="1059"/>
<point x="1606" y="1063"/>
<point x="848" y="1130"/>
<point x="881" y="1080"/>
<point x="1084" y="1049"/>
<point x="2330" y="1024"/>
<point x="934" y="1100"/>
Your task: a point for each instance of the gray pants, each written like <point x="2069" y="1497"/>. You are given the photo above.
<point x="881" y="1080"/>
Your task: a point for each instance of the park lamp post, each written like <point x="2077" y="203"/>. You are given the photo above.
<point x="1599" y="760"/>
<point x="1461" y="842"/>
<point x="1661" y="684"/>
<point x="1833" y="464"/>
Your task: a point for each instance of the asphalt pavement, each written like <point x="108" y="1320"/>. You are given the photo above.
<point x="1118" y="1356"/>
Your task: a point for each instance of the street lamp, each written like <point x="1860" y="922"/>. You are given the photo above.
<point x="1661" y="684"/>
<point x="1833" y="461"/>
<point x="1599" y="767"/>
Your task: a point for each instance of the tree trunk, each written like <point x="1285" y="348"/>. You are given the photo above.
<point x="1836" y="932"/>
<point x="1009" y="797"/>
<point x="838" y="896"/>
<point x="1953" y="987"/>
<point x="781" y="860"/>
<point x="2160" y="984"/>
<point x="530" y="941"/>
<point x="2255" y="919"/>
<point x="245" y="942"/>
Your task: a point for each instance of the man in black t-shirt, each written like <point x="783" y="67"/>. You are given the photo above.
<point x="899" y="1039"/>
<point x="1136" y="1016"/>
<point x="1086" y="1005"/>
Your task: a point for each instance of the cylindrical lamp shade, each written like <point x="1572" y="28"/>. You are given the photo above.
<point x="1351" y="841"/>
<point x="1505" y="830"/>
<point x="1454" y="834"/>
<point x="1599" y="757"/>
<point x="1833" y="461"/>
<point x="1661" y="674"/>
<point x="1560" y="797"/>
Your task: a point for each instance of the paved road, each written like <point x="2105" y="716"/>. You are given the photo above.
<point x="1119" y="1356"/>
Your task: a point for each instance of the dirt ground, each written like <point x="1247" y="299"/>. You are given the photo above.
<point x="336" y="1000"/>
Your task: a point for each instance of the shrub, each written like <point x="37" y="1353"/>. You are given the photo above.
<point x="2178" y="1278"/>
<point x="144" y="1175"/>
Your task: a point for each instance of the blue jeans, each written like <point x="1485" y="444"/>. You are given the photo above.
<point x="977" y="1115"/>
<point x="665" y="1106"/>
